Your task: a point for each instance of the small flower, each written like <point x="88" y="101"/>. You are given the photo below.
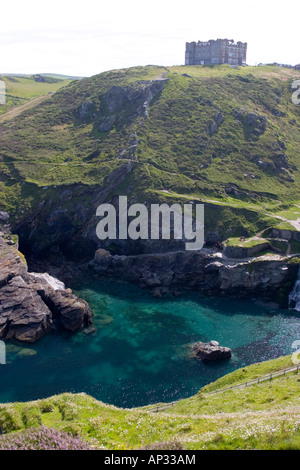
<point x="42" y="438"/>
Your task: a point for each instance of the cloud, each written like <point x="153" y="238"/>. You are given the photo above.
<point x="89" y="37"/>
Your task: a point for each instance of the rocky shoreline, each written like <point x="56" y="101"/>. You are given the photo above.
<point x="206" y="271"/>
<point x="30" y="303"/>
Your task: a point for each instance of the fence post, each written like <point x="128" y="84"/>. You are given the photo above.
<point x="270" y="377"/>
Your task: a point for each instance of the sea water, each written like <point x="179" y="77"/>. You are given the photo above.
<point x="140" y="351"/>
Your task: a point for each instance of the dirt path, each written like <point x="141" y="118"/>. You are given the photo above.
<point x="17" y="110"/>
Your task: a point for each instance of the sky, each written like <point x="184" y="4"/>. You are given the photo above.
<point x="89" y="37"/>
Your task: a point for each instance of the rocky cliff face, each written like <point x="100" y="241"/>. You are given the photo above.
<point x="204" y="271"/>
<point x="31" y="302"/>
<point x="137" y="97"/>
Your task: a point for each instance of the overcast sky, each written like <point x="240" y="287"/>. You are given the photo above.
<point x="88" y="37"/>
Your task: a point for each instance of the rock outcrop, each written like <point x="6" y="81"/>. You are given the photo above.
<point x="244" y="251"/>
<point x="204" y="270"/>
<point x="211" y="351"/>
<point x="23" y="314"/>
<point x="72" y="312"/>
<point x="213" y="126"/>
<point x="254" y="124"/>
<point x="136" y="97"/>
<point x="30" y="302"/>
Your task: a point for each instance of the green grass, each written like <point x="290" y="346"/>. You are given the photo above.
<point x="21" y="89"/>
<point x="295" y="246"/>
<point x="245" y="243"/>
<point x="280" y="245"/>
<point x="264" y="416"/>
<point x="290" y="214"/>
<point x="286" y="226"/>
<point x="238" y="176"/>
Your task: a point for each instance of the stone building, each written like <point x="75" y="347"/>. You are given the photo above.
<point x="219" y="51"/>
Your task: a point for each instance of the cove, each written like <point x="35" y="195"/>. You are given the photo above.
<point x="139" y="352"/>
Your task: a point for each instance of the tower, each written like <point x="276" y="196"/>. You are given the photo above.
<point x="219" y="51"/>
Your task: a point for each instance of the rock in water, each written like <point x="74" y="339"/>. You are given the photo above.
<point x="73" y="313"/>
<point x="211" y="351"/>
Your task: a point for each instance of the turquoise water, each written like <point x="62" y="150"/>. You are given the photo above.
<point x="139" y="353"/>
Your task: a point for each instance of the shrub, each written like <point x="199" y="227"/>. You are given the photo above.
<point x="31" y="416"/>
<point x="42" y="438"/>
<point x="10" y="419"/>
<point x="171" y="445"/>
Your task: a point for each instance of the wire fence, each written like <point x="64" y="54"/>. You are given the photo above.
<point x="259" y="380"/>
<point x="256" y="381"/>
<point x="161" y="407"/>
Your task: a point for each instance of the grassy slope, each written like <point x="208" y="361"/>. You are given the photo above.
<point x="21" y="89"/>
<point x="176" y="158"/>
<point x="264" y="416"/>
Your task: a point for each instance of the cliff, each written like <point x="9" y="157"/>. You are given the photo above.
<point x="268" y="278"/>
<point x="31" y="302"/>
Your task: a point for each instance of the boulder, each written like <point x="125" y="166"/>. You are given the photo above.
<point x="107" y="124"/>
<point x="4" y="217"/>
<point x="73" y="313"/>
<point x="213" y="126"/>
<point x="254" y="124"/>
<point x="211" y="351"/>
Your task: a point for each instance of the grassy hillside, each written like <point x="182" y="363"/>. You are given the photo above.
<point x="228" y="137"/>
<point x="22" y="89"/>
<point x="264" y="416"/>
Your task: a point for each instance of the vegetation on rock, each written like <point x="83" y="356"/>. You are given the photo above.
<point x="226" y="137"/>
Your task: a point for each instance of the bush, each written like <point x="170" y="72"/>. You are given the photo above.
<point x="31" y="416"/>
<point x="172" y="445"/>
<point x="10" y="419"/>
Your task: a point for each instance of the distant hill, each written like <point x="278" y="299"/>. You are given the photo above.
<point x="51" y="75"/>
<point x="61" y="77"/>
<point x="20" y="89"/>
